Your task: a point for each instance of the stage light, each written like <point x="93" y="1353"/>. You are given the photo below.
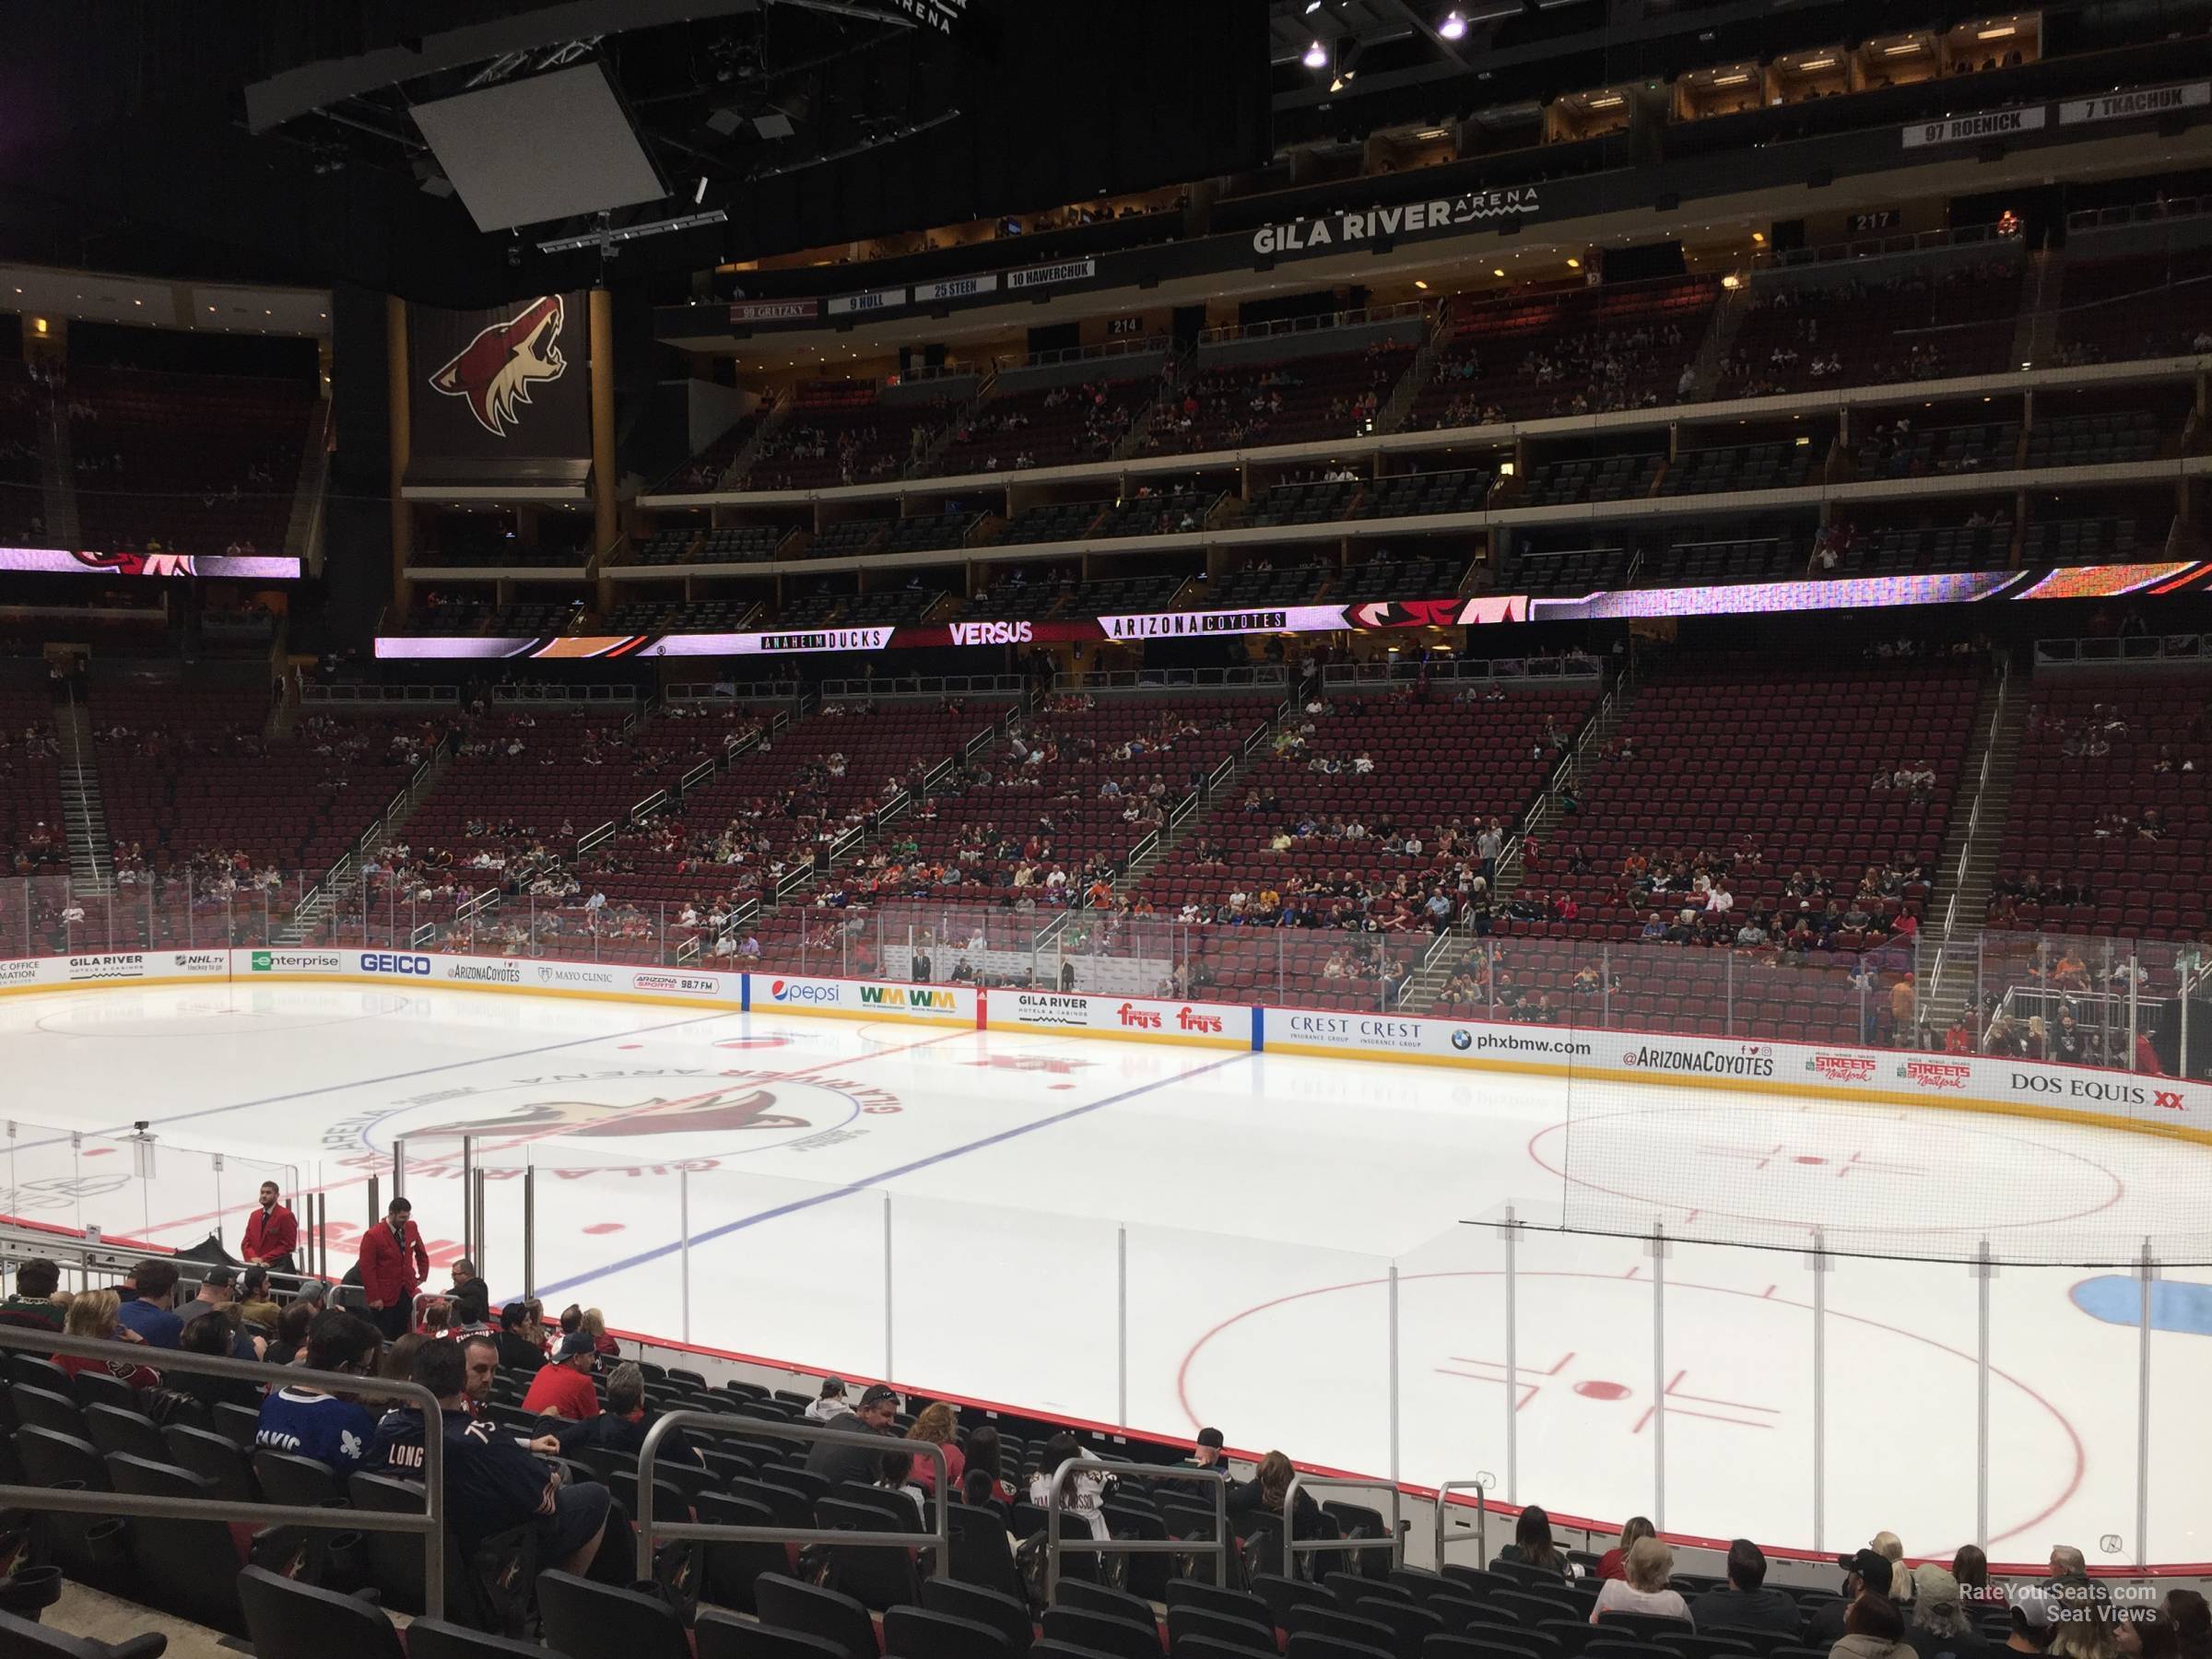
<point x="1453" y="26"/>
<point x="1317" y="56"/>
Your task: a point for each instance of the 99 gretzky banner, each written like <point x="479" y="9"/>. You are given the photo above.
<point x="505" y="383"/>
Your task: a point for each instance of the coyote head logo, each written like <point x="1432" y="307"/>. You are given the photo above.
<point x="493" y="372"/>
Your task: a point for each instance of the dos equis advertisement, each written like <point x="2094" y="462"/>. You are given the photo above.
<point x="512" y="382"/>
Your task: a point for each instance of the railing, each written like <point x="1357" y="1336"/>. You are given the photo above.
<point x="1870" y="247"/>
<point x="1358" y="317"/>
<point x="1294" y="1546"/>
<point x="1104" y="350"/>
<point x="2119" y="651"/>
<point x="538" y="695"/>
<point x="910" y="687"/>
<point x="382" y="698"/>
<point x="1974" y="816"/>
<point x="725" y="693"/>
<point x="1481" y="1486"/>
<point x="1257" y="677"/>
<point x="938" y="1537"/>
<point x="429" y="1524"/>
<point x="593" y="838"/>
<point x="2140" y="213"/>
<point x="1396" y="672"/>
<point x="1056" y="1545"/>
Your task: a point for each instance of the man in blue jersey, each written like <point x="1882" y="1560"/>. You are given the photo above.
<point x="493" y="1481"/>
<point x="307" y="1422"/>
<point x="147" y="1312"/>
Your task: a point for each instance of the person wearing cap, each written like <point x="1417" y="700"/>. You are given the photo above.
<point x="1745" y="1602"/>
<point x="877" y="1411"/>
<point x="272" y="1231"/>
<point x="1873" y="1628"/>
<point x="2034" y="1621"/>
<point x="517" y="1351"/>
<point x="1861" y="1572"/>
<point x="1940" y="1628"/>
<point x="392" y="1265"/>
<point x="830" y="1402"/>
<point x="563" y="1388"/>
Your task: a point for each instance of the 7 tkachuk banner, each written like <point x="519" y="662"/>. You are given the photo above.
<point x="1754" y="598"/>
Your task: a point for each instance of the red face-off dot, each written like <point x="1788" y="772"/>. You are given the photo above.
<point x="1596" y="1390"/>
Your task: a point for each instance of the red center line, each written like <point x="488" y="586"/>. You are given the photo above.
<point x="837" y="1062"/>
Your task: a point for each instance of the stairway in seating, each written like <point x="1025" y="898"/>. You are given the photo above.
<point x="741" y="464"/>
<point x="1399" y="406"/>
<point x="84" y="816"/>
<point x="57" y="475"/>
<point x="1193" y="806"/>
<point x="303" y="527"/>
<point x="1544" y="823"/>
<point x="1970" y="852"/>
<point x="1720" y="335"/>
<point x="2035" y="335"/>
<point x="341" y="884"/>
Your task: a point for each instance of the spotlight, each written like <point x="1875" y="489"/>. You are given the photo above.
<point x="1317" y="56"/>
<point x="1453" y="26"/>
<point x="700" y="194"/>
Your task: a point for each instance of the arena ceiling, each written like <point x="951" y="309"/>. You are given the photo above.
<point x="269" y="141"/>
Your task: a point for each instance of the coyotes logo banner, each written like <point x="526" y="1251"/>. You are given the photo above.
<point x="508" y="384"/>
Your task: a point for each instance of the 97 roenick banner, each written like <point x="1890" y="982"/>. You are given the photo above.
<point x="511" y="382"/>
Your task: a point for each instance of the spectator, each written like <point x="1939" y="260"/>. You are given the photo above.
<point x="517" y="1351"/>
<point x="829" y="1402"/>
<point x="564" y="1388"/>
<point x="877" y="1410"/>
<point x="2085" y="1627"/>
<point x="472" y="1309"/>
<point x="291" y="1333"/>
<point x="305" y="1422"/>
<point x="1891" y="1548"/>
<point x="621" y="1427"/>
<point x="1745" y="1602"/>
<point x="897" y="1474"/>
<point x="272" y="1232"/>
<point x="492" y="1481"/>
<point x="2146" y="1635"/>
<point x="594" y="1324"/>
<point x="464" y="1275"/>
<point x="985" y="1462"/>
<point x="2191" y="1623"/>
<point x="2069" y="1568"/>
<point x="392" y="1265"/>
<point x="398" y="1363"/>
<point x="935" y="1426"/>
<point x="1863" y="1571"/>
<point x="1873" y="1628"/>
<point x="255" y="1305"/>
<point x="1611" y="1565"/>
<point x="1532" y="1545"/>
<point x="1206" y="1452"/>
<point x="1083" y="1493"/>
<point x="2034" y="1621"/>
<point x="1642" y="1588"/>
<point x="92" y="1315"/>
<point x="212" y="1338"/>
<point x="1941" y="1628"/>
<point x="33" y="1306"/>
<point x="147" y="1313"/>
<point x="1971" y="1568"/>
<point x="1269" y="1489"/>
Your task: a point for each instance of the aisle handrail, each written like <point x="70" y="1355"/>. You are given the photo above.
<point x="1056" y="1545"/>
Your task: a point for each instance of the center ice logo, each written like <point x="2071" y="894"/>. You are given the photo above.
<point x="621" y="1119"/>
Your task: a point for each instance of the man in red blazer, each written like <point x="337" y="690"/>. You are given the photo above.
<point x="394" y="1265"/>
<point x="272" y="1232"/>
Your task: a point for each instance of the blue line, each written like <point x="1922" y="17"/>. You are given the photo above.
<point x="393" y="1077"/>
<point x="797" y="1205"/>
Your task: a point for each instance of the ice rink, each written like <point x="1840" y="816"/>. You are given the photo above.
<point x="1008" y="1187"/>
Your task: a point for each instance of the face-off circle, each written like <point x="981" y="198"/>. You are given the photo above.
<point x="1804" y="1166"/>
<point x="1737" y="1393"/>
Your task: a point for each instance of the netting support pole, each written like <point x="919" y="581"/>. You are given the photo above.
<point x="2148" y="1270"/>
<point x="2133" y="987"/>
<point x="1819" y="1262"/>
<point x="682" y="1227"/>
<point x="1984" y="1270"/>
<point x="529" y="1230"/>
<point x="887" y="1370"/>
<point x="1121" y="1328"/>
<point x="1658" y="1254"/>
<point x="1511" y="1233"/>
<point x="1396" y="1532"/>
